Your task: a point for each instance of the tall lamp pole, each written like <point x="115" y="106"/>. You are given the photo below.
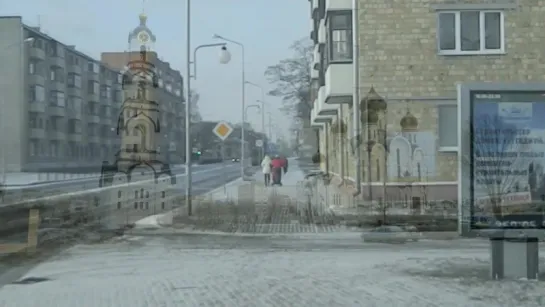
<point x="243" y="107"/>
<point x="262" y="114"/>
<point x="225" y="57"/>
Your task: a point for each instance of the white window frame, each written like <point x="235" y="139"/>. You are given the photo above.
<point x="457" y="33"/>
<point x="439" y="134"/>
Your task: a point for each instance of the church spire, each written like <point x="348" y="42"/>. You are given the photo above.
<point x="143" y="17"/>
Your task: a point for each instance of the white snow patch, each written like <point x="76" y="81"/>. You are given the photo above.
<point x="162" y="272"/>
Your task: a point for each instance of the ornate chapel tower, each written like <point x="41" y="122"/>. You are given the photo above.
<point x="141" y="181"/>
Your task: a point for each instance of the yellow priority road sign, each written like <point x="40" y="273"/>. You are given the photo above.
<point x="223" y="130"/>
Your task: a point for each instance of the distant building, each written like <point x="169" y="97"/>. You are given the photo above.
<point x="59" y="105"/>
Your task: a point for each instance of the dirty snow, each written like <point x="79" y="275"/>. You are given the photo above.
<point x="309" y="271"/>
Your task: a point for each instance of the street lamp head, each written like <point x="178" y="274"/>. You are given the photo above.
<point x="28" y="40"/>
<point x="225" y="55"/>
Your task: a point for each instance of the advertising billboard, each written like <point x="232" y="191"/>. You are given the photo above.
<point x="503" y="160"/>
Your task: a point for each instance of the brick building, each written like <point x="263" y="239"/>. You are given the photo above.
<point x="411" y="55"/>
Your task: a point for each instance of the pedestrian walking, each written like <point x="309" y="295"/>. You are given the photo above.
<point x="266" y="169"/>
<point x="277" y="166"/>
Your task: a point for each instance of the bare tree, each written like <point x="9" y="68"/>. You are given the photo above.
<point x="291" y="78"/>
<point x="497" y="164"/>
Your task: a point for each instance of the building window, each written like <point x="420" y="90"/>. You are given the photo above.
<point x="74" y="104"/>
<point x="57" y="98"/>
<point x="56" y="50"/>
<point x="33" y="147"/>
<point x="471" y="32"/>
<point x="37" y="93"/>
<point x="93" y="67"/>
<point x="74" y="126"/>
<point x="105" y="91"/>
<point x="74" y="80"/>
<point x="448" y="127"/>
<point x="54" y="149"/>
<point x="57" y="74"/>
<point x="340" y="37"/>
<point x="93" y="87"/>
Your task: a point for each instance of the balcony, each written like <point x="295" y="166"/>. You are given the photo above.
<point x="37" y="133"/>
<point x="37" y="53"/>
<point x="338" y="5"/>
<point x="314" y="73"/>
<point x="94" y="139"/>
<point x="93" y="118"/>
<point x="56" y="111"/>
<point x="73" y="114"/>
<point x="312" y="30"/>
<point x="57" y="86"/>
<point x="316" y="57"/>
<point x="35" y="79"/>
<point x="74" y="91"/>
<point x="57" y="62"/>
<point x="339" y="81"/>
<point x="57" y="135"/>
<point x="315" y="6"/>
<point x="93" y="76"/>
<point x="38" y="107"/>
<point x="75" y="137"/>
<point x="322" y="32"/>
<point x="75" y="69"/>
<point x="317" y="121"/>
<point x="324" y="109"/>
<point x="93" y="97"/>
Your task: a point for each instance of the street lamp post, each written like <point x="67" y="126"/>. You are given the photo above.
<point x="258" y="107"/>
<point x="270" y="125"/>
<point x="3" y="121"/>
<point x="243" y="107"/>
<point x="224" y="59"/>
<point x="262" y="113"/>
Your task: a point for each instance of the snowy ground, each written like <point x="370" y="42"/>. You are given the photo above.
<point x="315" y="270"/>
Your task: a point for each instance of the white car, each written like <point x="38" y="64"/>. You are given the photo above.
<point x="388" y="234"/>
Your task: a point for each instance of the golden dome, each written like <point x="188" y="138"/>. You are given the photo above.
<point x="375" y="101"/>
<point x="369" y="116"/>
<point x="409" y="122"/>
<point x="143" y="18"/>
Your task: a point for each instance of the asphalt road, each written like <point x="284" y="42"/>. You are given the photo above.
<point x="205" y="177"/>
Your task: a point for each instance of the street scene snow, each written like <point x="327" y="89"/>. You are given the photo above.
<point x="321" y="270"/>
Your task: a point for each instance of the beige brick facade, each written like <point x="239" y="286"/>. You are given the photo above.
<point x="399" y="58"/>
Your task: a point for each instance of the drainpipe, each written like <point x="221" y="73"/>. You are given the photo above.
<point x="356" y="92"/>
<point x="327" y="126"/>
<point x="340" y="120"/>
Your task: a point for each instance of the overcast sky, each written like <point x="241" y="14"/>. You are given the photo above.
<point x="266" y="28"/>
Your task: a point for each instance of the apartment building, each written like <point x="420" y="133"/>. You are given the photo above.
<point x="59" y="106"/>
<point x="411" y="55"/>
<point x="169" y="92"/>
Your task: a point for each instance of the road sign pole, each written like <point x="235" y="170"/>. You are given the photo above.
<point x="223" y="167"/>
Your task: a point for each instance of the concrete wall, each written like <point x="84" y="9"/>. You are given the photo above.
<point x="13" y="94"/>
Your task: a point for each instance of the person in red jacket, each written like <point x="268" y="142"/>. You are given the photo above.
<point x="277" y="165"/>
